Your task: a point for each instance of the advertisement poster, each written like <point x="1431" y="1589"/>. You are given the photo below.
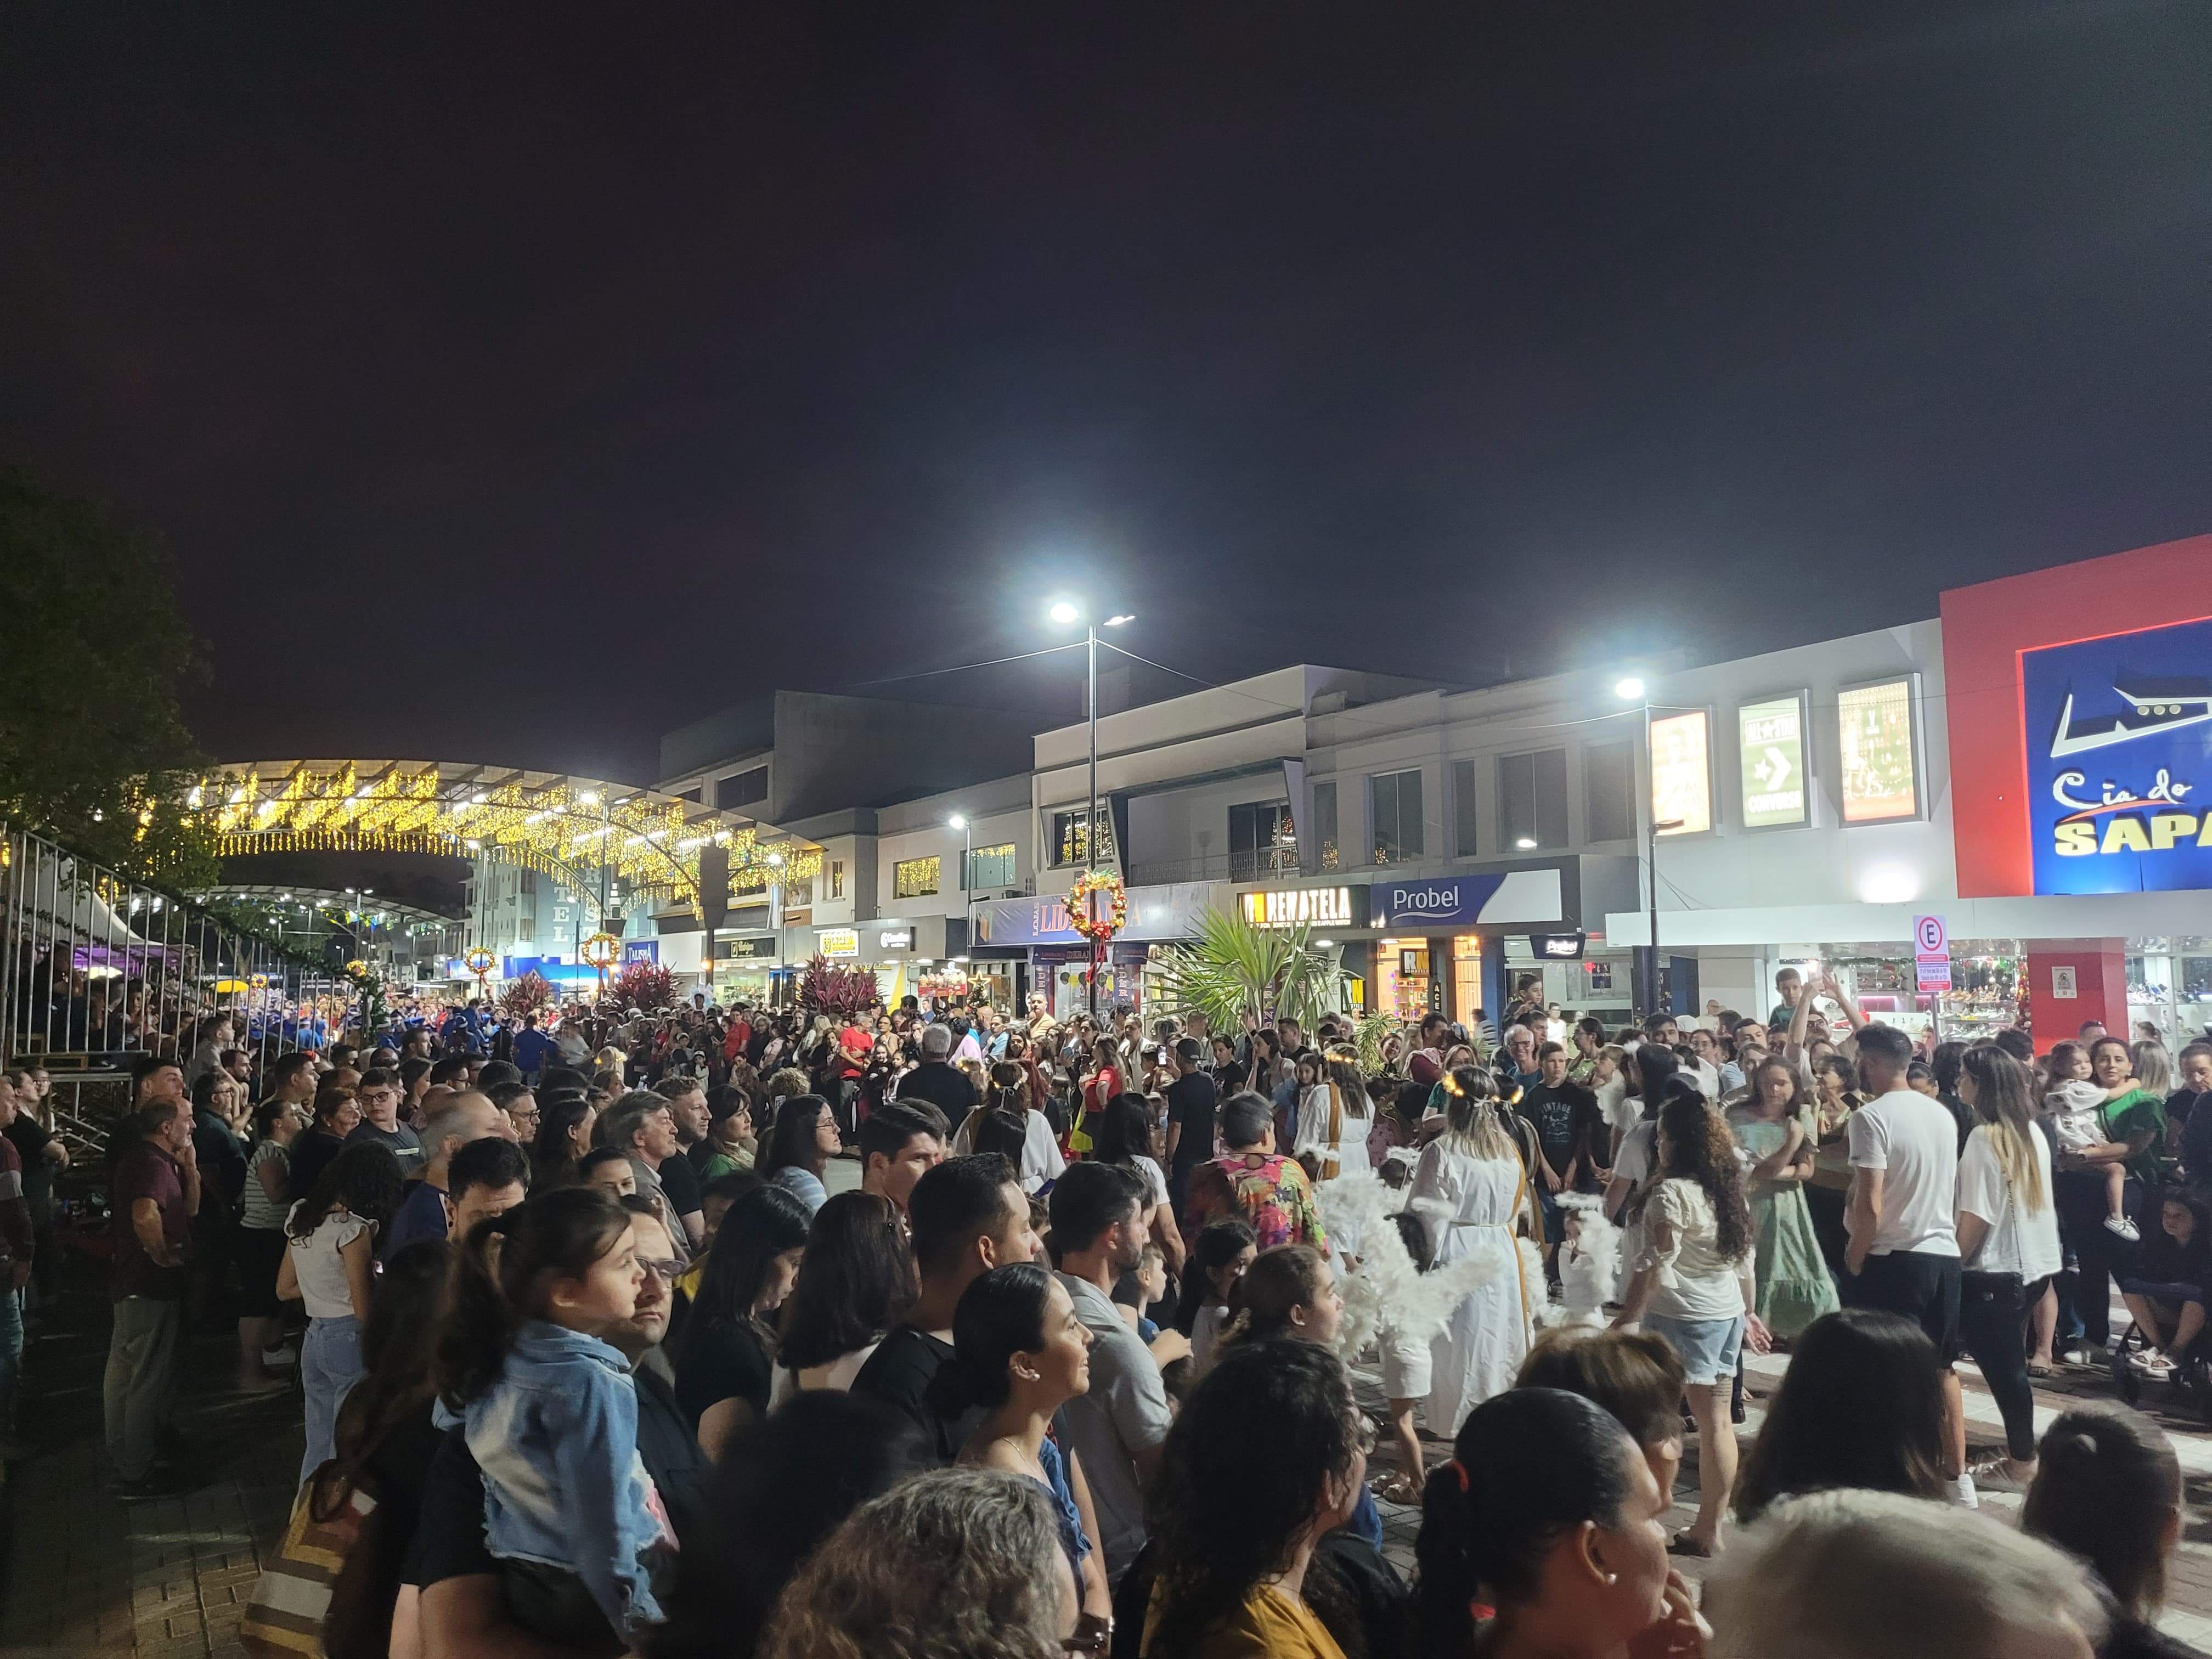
<point x="1881" y="778"/>
<point x="1771" y="754"/>
<point x="1681" y="774"/>
<point x="2118" y="735"/>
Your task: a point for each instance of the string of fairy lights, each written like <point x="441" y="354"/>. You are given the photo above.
<point x="557" y="826"/>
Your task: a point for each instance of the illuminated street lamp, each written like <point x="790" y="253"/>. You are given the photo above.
<point x="1632" y="688"/>
<point x="1066" y="613"/>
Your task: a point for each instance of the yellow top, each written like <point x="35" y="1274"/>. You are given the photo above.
<point x="1273" y="1624"/>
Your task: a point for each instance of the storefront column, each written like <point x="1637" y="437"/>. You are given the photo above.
<point x="2095" y="970"/>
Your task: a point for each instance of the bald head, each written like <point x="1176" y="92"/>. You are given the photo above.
<point x="463" y="1115"/>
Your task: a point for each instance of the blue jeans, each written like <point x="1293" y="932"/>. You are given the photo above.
<point x="11" y="1355"/>
<point x="330" y="1364"/>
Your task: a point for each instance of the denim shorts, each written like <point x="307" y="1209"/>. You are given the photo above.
<point x="2175" y="1294"/>
<point x="1709" y="1349"/>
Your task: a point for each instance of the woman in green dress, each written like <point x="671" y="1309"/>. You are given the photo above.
<point x="1794" y="1288"/>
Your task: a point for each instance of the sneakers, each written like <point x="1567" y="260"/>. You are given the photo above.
<point x="2152" y="1364"/>
<point x="1963" y="1493"/>
<point x="1996" y="1476"/>
<point x="279" y="1358"/>
<point x="2123" y="1227"/>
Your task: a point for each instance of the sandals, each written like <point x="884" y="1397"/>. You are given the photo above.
<point x="2041" y="1368"/>
<point x="1682" y="1544"/>
<point x="1397" y="1488"/>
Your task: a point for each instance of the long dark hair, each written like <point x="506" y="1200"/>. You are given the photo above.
<point x="791" y="1144"/>
<point x="999" y="1314"/>
<point x="1001" y="1123"/>
<point x="1252" y="1450"/>
<point x="1700" y="1148"/>
<point x="399" y="1356"/>
<point x="1281" y="1278"/>
<point x="759" y="1226"/>
<point x="553" y="1235"/>
<point x="1655" y="1064"/>
<point x="1218" y="1244"/>
<point x="1123" y="1130"/>
<point x="365" y="1179"/>
<point x="2107" y="1486"/>
<point x="856" y="1282"/>
<point x="1527" y="1467"/>
<point x="1861" y="1405"/>
<point x="552" y="1152"/>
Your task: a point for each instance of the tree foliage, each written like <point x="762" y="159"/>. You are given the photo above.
<point x="93" y="748"/>
<point x="826" y="988"/>
<point x="645" y="986"/>
<point x="1230" y="968"/>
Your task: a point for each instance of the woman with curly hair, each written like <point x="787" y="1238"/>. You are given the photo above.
<point x="1693" y="1284"/>
<point x="958" y="1561"/>
<point x="1269" y="1456"/>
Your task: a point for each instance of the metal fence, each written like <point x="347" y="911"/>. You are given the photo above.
<point x="97" y="971"/>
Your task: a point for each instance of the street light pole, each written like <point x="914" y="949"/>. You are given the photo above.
<point x="1066" y="612"/>
<point x="959" y="821"/>
<point x="1633" y="690"/>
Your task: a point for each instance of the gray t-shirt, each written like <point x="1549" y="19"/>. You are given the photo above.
<point x="405" y="1146"/>
<point x="1124" y="1413"/>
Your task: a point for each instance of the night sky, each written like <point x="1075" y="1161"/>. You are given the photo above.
<point x="516" y="382"/>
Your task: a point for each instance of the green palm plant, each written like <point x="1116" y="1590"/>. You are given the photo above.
<point x="1228" y="968"/>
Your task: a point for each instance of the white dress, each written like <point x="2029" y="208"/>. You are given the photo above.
<point x="1467" y="1205"/>
<point x="1348" y="1150"/>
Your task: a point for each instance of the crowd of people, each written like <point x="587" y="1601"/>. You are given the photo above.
<point x="611" y="1358"/>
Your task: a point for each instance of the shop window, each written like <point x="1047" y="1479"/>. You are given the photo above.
<point x="1261" y="841"/>
<point x="991" y="867"/>
<point x="1532" y="800"/>
<point x="742" y="788"/>
<point x="1465" y="810"/>
<point x="1324" y="823"/>
<point x="836" y="878"/>
<point x="914" y="878"/>
<point x="1394" y="799"/>
<point x="1610" y="791"/>
<point x="1070" y="840"/>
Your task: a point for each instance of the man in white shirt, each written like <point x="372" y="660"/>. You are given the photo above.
<point x="1903" y="1256"/>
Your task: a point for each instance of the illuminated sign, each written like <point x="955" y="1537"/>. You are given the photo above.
<point x="1682" y="774"/>
<point x="1557" y="947"/>
<point x="840" y="942"/>
<point x="2118" y="734"/>
<point x="1881" y="751"/>
<point x="1299" y="907"/>
<point x="1770" y="760"/>
<point x="896" y="938"/>
<point x="1521" y="896"/>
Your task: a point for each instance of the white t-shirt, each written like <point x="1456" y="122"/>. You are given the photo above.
<point x="1914" y="1141"/>
<point x="321" y="1271"/>
<point x="1637" y="1148"/>
<point x="2016" y="1242"/>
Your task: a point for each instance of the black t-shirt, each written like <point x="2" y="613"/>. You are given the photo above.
<point x="669" y="1443"/>
<point x="1564" y="1119"/>
<point x="31" y="1140"/>
<point x="679" y="1179"/>
<point x="311" y="1153"/>
<point x="1191" y="1101"/>
<point x="722" y="1359"/>
<point x="899" y="1373"/>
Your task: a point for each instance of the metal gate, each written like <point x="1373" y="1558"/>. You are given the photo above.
<point x="97" y="971"/>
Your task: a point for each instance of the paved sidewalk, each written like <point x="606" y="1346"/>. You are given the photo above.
<point x="88" y="1576"/>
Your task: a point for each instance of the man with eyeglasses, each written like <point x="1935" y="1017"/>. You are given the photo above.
<point x="378" y="1099"/>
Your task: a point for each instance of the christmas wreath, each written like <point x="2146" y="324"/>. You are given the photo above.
<point x="1098" y="929"/>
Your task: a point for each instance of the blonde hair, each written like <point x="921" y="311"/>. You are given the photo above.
<point x="1473" y="1127"/>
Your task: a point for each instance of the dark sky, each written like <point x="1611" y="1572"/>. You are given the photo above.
<point x="516" y="382"/>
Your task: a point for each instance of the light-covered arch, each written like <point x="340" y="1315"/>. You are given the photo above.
<point x="566" y="827"/>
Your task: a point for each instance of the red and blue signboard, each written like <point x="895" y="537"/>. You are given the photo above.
<point x="2081" y="732"/>
<point x="2118" y="737"/>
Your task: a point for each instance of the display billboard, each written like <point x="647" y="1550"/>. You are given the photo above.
<point x="1881" y="749"/>
<point x="1770" y="762"/>
<point x="1682" y="772"/>
<point x="2118" y="734"/>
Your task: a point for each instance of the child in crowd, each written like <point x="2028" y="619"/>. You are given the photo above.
<point x="1142" y="1288"/>
<point x="2074" y="1104"/>
<point x="549" y="1411"/>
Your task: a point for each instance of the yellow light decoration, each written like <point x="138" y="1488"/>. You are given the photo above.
<point x="555" y="825"/>
<point x="600" y="951"/>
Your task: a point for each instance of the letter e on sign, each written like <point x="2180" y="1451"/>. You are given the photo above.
<point x="1930" y="938"/>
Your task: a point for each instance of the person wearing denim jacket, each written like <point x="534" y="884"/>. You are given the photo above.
<point x="557" y="1439"/>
